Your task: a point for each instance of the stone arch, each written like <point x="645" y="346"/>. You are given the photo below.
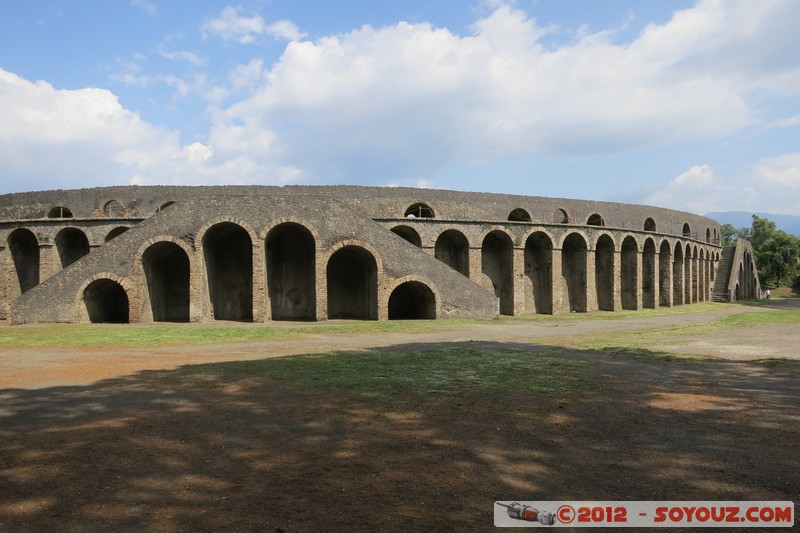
<point x="113" y="209"/>
<point x="708" y="235"/>
<point x="519" y="215"/>
<point x="352" y="284"/>
<point x="452" y="249"/>
<point x="560" y="216"/>
<point x="106" y="300"/>
<point x="116" y="232"/>
<point x="228" y="256"/>
<point x="411" y="300"/>
<point x="687" y="230"/>
<point x="595" y="219"/>
<point x="71" y="244"/>
<point x="677" y="276"/>
<point x="629" y="273"/>
<point x="695" y="279"/>
<point x="664" y="274"/>
<point x="164" y="206"/>
<point x="649" y="224"/>
<point x="604" y="272"/>
<point x="59" y="211"/>
<point x="649" y="274"/>
<point x="539" y="272"/>
<point x="24" y="248"/>
<point x="497" y="264"/>
<point x="574" y="271"/>
<point x="408" y="233"/>
<point x="167" y="276"/>
<point x="291" y="272"/>
<point x="419" y="210"/>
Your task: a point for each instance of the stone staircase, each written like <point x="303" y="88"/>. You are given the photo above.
<point x="719" y="293"/>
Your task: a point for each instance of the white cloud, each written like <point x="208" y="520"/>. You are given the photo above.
<point x="780" y="174"/>
<point x="285" y="29"/>
<point x="148" y="7"/>
<point x="696" y="190"/>
<point x="229" y="25"/>
<point x="188" y="57"/>
<point x="785" y="122"/>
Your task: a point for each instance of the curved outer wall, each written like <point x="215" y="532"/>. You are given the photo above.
<point x="548" y="264"/>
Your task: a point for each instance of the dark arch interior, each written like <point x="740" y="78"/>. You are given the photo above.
<point x="497" y="262"/>
<point x="573" y="270"/>
<point x="595" y="220"/>
<point x="664" y="274"/>
<point x="649" y="275"/>
<point x="106" y="301"/>
<point x="519" y="215"/>
<point x="539" y="270"/>
<point x="166" y="268"/>
<point x="71" y="244"/>
<point x="59" y="212"/>
<point x="687" y="230"/>
<point x="352" y="276"/>
<point x="649" y="225"/>
<point x="228" y="253"/>
<point x="24" y="249"/>
<point x="452" y="249"/>
<point x="116" y="232"/>
<point x="412" y="300"/>
<point x="409" y="234"/>
<point x="291" y="273"/>
<point x="677" y="276"/>
<point x="628" y="274"/>
<point x="419" y="211"/>
<point x="604" y="273"/>
<point x="560" y="217"/>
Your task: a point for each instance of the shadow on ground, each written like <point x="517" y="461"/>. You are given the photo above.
<point x="222" y="451"/>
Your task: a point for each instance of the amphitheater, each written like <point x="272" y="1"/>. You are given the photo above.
<point x="262" y="253"/>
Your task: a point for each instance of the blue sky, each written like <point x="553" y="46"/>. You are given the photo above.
<point x="687" y="105"/>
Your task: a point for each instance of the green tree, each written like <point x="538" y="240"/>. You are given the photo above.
<point x="730" y="233"/>
<point x="777" y="259"/>
<point x="763" y="230"/>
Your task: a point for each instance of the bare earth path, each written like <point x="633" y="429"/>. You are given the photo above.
<point x="118" y="440"/>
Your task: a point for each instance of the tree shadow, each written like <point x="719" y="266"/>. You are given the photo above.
<point x="216" y="448"/>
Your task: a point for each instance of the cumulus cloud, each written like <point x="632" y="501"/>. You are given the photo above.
<point x="230" y="26"/>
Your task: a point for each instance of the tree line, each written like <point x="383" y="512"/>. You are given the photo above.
<point x="776" y="252"/>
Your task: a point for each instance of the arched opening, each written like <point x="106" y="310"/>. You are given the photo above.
<point x="291" y="267"/>
<point x="708" y="234"/>
<point x="412" y="300"/>
<point x="573" y="270"/>
<point x="452" y="249"/>
<point x="71" y="244"/>
<point x="497" y="264"/>
<point x="59" y="212"/>
<point x="687" y="230"/>
<point x="595" y="220"/>
<point x="113" y="208"/>
<point x="352" y="275"/>
<point x="649" y="224"/>
<point x="419" y="211"/>
<point x="649" y="274"/>
<point x="164" y="206"/>
<point x="409" y="234"/>
<point x="695" y="278"/>
<point x="664" y="274"/>
<point x="677" y="276"/>
<point x="24" y="249"/>
<point x="519" y="215"/>
<point x="106" y="301"/>
<point x="539" y="272"/>
<point x="629" y="273"/>
<point x="228" y="254"/>
<point x="116" y="232"/>
<point x="687" y="275"/>
<point x="560" y="217"/>
<point x="604" y="273"/>
<point x="166" y="270"/>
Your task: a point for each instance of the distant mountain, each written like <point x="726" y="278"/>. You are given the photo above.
<point x="788" y="223"/>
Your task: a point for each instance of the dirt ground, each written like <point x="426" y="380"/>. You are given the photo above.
<point x="98" y="440"/>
